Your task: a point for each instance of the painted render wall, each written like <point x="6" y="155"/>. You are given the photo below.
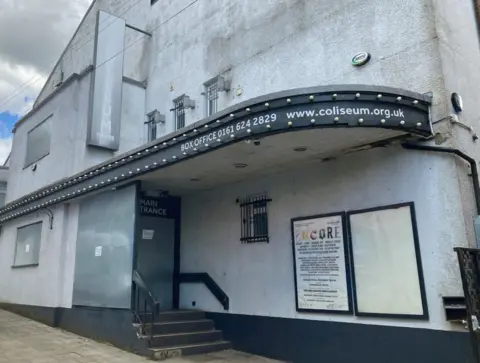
<point x="41" y="285"/>
<point x="68" y="151"/>
<point x="259" y="278"/>
<point x="261" y="47"/>
<point x="265" y="47"/>
<point x="459" y="49"/>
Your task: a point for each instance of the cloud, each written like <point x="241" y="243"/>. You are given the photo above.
<point x="32" y="37"/>
<point x="33" y="34"/>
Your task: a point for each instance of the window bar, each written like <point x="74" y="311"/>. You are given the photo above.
<point x="242" y="222"/>
<point x="259" y="211"/>
<point x="212" y="98"/>
<point x="265" y="221"/>
<point x="249" y="224"/>
<point x="256" y="226"/>
<point x="245" y="222"/>
<point x="179" y="115"/>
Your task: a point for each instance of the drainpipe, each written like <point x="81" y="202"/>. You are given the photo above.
<point x="471" y="161"/>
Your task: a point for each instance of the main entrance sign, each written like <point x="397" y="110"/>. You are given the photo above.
<point x="319" y="107"/>
<point x="160" y="207"/>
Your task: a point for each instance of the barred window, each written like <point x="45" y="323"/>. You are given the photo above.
<point x="152" y="131"/>
<point x="212" y="98"/>
<point x="254" y="219"/>
<point x="179" y="114"/>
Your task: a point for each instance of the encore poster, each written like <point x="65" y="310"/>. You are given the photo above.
<point x="320" y="264"/>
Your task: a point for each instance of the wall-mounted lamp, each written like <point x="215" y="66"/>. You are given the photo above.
<point x="223" y="85"/>
<point x="185" y="101"/>
<point x="457" y="102"/>
<point x="188" y="102"/>
<point x="360" y="59"/>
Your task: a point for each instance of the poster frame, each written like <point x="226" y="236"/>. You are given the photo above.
<point x="346" y="254"/>
<point x="418" y="257"/>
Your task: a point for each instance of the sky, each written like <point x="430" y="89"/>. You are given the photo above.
<point x="33" y="34"/>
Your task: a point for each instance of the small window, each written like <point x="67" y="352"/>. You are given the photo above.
<point x="154" y="118"/>
<point x="38" y="142"/>
<point x="152" y="131"/>
<point x="212" y="98"/>
<point x="212" y="89"/>
<point x="27" y="245"/>
<point x="254" y="218"/>
<point x="179" y="114"/>
<point x="3" y="191"/>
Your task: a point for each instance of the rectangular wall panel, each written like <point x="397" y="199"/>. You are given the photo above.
<point x="106" y="91"/>
<point x="27" y="247"/>
<point x="104" y="250"/>
<point x="386" y="261"/>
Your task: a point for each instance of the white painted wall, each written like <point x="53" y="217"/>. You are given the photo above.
<point x="259" y="278"/>
<point x="264" y="47"/>
<point x="41" y="285"/>
<point x="68" y="151"/>
<point x="261" y="47"/>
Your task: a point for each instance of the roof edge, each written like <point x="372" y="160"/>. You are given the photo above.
<point x="64" y="51"/>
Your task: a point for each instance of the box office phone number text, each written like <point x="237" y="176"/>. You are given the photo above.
<point x="239" y="126"/>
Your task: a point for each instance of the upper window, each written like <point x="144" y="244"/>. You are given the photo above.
<point x="27" y="245"/>
<point x="3" y="192"/>
<point x="212" y="98"/>
<point x="38" y="142"/>
<point x="212" y="89"/>
<point x="152" y="131"/>
<point x="154" y="119"/>
<point x="179" y="114"/>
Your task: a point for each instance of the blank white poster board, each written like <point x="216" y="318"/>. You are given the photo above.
<point x="386" y="274"/>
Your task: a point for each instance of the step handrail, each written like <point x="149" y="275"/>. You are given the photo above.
<point x="209" y="282"/>
<point x="140" y="315"/>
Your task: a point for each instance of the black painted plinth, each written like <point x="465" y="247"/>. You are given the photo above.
<point x="310" y="341"/>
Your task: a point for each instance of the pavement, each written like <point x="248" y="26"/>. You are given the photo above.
<point x="26" y="341"/>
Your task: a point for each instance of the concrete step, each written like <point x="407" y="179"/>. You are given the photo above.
<point x="197" y="337"/>
<point x="175" y="315"/>
<point x="172" y="327"/>
<point x="182" y="350"/>
<point x="180" y="315"/>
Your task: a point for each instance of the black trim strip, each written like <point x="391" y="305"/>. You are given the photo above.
<point x="23" y="266"/>
<point x="248" y="119"/>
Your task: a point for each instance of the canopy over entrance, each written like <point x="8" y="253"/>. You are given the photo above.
<point x="267" y="132"/>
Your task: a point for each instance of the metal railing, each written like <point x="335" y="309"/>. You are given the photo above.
<point x="469" y="262"/>
<point x="145" y="307"/>
<point x="206" y="279"/>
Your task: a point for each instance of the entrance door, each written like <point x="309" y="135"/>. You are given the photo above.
<point x="155" y="256"/>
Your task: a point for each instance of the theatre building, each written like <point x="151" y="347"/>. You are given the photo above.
<point x="285" y="178"/>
